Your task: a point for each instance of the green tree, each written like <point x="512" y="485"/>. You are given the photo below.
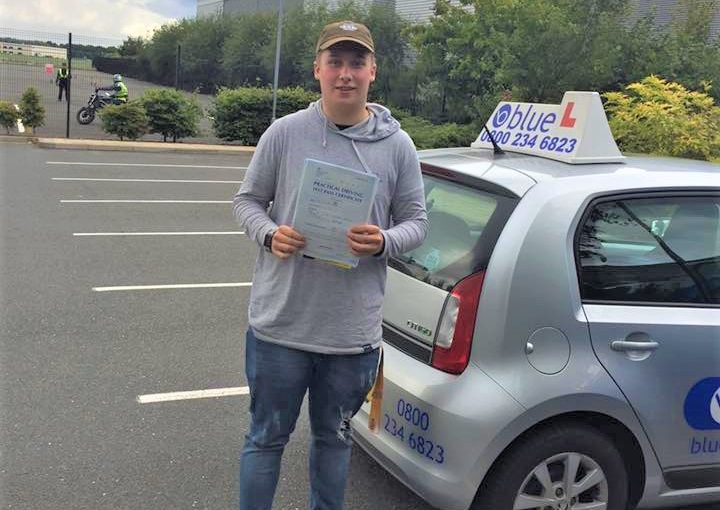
<point x="388" y="31"/>
<point x="32" y="112"/>
<point x="243" y="52"/>
<point x="202" y="52"/>
<point x="300" y="31"/>
<point x="692" y="55"/>
<point x="446" y="90"/>
<point x="660" y="117"/>
<point x="472" y="54"/>
<point x="160" y="53"/>
<point x="8" y="115"/>
<point x="635" y="53"/>
<point x="301" y="27"/>
<point x="171" y="114"/>
<point x="125" y="120"/>
<point x="132" y="46"/>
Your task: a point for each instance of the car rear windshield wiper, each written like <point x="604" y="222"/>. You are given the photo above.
<point x="410" y="266"/>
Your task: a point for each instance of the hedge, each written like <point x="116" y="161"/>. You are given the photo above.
<point x="243" y="114"/>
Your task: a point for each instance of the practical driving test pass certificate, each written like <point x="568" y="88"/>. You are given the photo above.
<point x="330" y="200"/>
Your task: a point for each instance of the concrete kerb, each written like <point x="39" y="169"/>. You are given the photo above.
<point x="128" y="146"/>
<point x="17" y="139"/>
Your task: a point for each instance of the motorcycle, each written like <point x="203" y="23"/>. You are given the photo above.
<point x="98" y="99"/>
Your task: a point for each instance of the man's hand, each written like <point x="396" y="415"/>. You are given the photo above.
<point x="286" y="242"/>
<point x="365" y="240"/>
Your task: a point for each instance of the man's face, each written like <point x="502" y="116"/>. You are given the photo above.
<point x="345" y="73"/>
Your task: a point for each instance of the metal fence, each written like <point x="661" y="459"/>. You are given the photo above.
<point x="32" y="59"/>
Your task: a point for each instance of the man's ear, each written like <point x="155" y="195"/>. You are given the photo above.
<point x="374" y="72"/>
<point x="316" y="70"/>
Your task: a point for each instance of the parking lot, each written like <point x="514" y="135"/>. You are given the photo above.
<point x="125" y="283"/>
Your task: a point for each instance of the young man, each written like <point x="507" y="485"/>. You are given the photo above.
<point x="315" y="327"/>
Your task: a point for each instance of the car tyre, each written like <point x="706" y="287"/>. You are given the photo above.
<point x="533" y="472"/>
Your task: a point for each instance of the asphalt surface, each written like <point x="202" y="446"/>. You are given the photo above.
<point x="74" y="361"/>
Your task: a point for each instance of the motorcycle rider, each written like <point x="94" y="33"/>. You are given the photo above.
<point x="119" y="89"/>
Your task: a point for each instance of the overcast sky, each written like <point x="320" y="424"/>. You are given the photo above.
<point x="90" y="19"/>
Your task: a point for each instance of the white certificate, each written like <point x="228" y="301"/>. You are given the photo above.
<point x="330" y="200"/>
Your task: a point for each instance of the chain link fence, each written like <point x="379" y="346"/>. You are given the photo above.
<point x="33" y="59"/>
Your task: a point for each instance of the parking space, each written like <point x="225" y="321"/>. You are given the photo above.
<point x="81" y="354"/>
<point x="76" y="360"/>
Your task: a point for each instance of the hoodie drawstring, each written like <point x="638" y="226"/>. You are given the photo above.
<point x="362" y="161"/>
<point x="325" y="134"/>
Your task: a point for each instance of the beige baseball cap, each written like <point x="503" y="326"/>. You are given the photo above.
<point x="334" y="33"/>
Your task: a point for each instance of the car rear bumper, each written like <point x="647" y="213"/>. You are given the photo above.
<point x="436" y="429"/>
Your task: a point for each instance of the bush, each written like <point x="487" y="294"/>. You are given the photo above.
<point x="125" y="120"/>
<point x="8" y="115"/>
<point x="430" y="136"/>
<point x="171" y="114"/>
<point x="243" y="114"/>
<point x="664" y="118"/>
<point x="31" y="111"/>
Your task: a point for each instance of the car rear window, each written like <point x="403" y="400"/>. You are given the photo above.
<point x="465" y="222"/>
<point x="656" y="250"/>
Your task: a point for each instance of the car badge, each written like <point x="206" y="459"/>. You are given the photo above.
<point x="419" y="328"/>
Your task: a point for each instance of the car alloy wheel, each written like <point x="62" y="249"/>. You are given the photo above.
<point x="560" y="466"/>
<point x="566" y="481"/>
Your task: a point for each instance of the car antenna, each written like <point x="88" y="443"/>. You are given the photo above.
<point x="496" y="147"/>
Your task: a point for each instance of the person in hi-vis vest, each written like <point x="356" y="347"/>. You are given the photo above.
<point x="61" y="80"/>
<point x="119" y="90"/>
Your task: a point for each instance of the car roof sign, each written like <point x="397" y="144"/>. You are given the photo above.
<point x="575" y="131"/>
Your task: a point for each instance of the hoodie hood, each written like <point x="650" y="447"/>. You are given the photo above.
<point x="380" y="124"/>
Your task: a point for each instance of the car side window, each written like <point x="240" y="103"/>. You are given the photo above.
<point x="653" y="250"/>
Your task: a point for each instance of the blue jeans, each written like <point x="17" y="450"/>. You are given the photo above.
<point x="278" y="378"/>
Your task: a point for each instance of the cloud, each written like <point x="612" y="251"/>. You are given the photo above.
<point x="90" y="21"/>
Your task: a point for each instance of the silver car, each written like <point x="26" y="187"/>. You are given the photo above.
<point x="555" y="342"/>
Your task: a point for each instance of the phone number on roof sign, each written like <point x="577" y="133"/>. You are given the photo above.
<point x="547" y="143"/>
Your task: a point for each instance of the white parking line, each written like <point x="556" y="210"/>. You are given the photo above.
<point x="173" y="286"/>
<point x="187" y="395"/>
<point x="90" y="234"/>
<point x="164" y="165"/>
<point x="146" y="201"/>
<point x="192" y="181"/>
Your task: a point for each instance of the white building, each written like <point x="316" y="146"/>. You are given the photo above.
<point x="420" y="11"/>
<point x="231" y="7"/>
<point x="206" y="8"/>
<point x="33" y="50"/>
<point x="665" y="10"/>
<point x="417" y="11"/>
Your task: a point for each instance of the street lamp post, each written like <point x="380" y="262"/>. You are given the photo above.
<point x="277" y="58"/>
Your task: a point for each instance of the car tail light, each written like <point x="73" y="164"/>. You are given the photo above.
<point x="451" y="352"/>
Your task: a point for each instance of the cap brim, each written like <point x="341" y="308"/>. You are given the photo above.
<point x="331" y="42"/>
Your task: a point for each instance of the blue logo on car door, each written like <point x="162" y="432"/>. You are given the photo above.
<point x="702" y="405"/>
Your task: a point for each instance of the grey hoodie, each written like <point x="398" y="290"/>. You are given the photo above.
<point x="307" y="304"/>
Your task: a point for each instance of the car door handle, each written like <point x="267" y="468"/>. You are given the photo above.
<point x="626" y="345"/>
